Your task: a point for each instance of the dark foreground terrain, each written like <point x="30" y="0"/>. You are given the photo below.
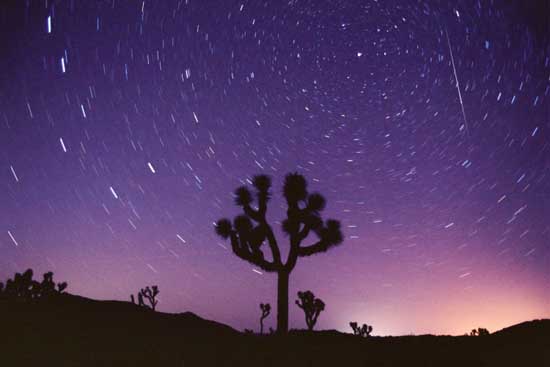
<point x="75" y="331"/>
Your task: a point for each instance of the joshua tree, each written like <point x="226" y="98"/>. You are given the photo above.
<point x="312" y="307"/>
<point x="303" y="217"/>
<point x="479" y="332"/>
<point x="24" y="287"/>
<point x="363" y="331"/>
<point x="266" y="309"/>
<point x="48" y="285"/>
<point x="149" y="293"/>
<point x="21" y="287"/>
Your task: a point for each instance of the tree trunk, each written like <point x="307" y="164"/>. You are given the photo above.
<point x="309" y="323"/>
<point x="282" y="302"/>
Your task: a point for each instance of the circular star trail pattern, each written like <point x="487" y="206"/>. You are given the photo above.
<point x="126" y="125"/>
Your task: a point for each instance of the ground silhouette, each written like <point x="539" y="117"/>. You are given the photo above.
<point x="303" y="217"/>
<point x="69" y="330"/>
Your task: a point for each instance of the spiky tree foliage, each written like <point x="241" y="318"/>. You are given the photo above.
<point x="312" y="307"/>
<point x="363" y="331"/>
<point x="250" y="232"/>
<point x="24" y="287"/>
<point x="266" y="309"/>
<point x="150" y="293"/>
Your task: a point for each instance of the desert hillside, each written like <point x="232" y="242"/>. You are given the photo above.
<point x="76" y="331"/>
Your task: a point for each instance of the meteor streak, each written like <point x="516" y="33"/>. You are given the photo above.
<point x="457" y="83"/>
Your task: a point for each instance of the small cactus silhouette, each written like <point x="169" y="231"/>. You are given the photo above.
<point x="266" y="309"/>
<point x="479" y="332"/>
<point x="312" y="307"/>
<point x="149" y="294"/>
<point x="363" y="331"/>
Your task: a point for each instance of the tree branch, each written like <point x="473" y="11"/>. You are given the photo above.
<point x="292" y="254"/>
<point x="272" y="241"/>
<point x="304" y="233"/>
<point x="253" y="214"/>
<point x="242" y="250"/>
<point x="320" y="246"/>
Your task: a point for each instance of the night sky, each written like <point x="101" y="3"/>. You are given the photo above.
<point x="126" y="125"/>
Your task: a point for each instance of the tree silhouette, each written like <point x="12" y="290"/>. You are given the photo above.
<point x="149" y="293"/>
<point x="312" y="307"/>
<point x="363" y="331"/>
<point x="61" y="287"/>
<point x="24" y="288"/>
<point x="266" y="309"/>
<point x="48" y="285"/>
<point x="479" y="332"/>
<point x="303" y="217"/>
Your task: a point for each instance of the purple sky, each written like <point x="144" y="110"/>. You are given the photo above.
<point x="126" y="125"/>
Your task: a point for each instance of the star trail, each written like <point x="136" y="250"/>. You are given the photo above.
<point x="126" y="125"/>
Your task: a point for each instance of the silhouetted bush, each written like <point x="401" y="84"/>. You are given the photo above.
<point x="151" y="294"/>
<point x="148" y="293"/>
<point x="479" y="332"/>
<point x="363" y="331"/>
<point x="250" y="231"/>
<point x="266" y="309"/>
<point x="24" y="288"/>
<point x="312" y="307"/>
